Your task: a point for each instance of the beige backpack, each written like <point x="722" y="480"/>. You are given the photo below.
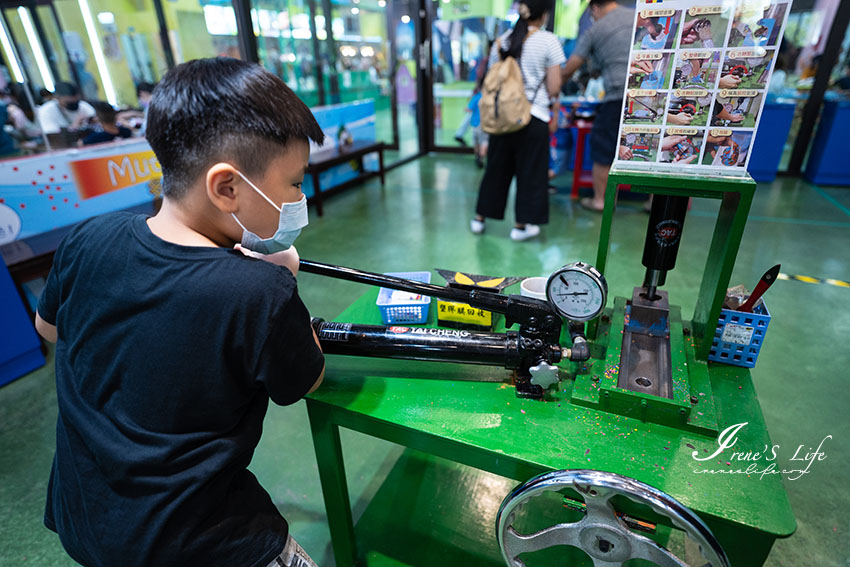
<point x="504" y="108"/>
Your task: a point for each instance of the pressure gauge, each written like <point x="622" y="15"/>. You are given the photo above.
<point x="578" y="291"/>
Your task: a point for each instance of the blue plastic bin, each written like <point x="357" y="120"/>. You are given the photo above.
<point x="410" y="311"/>
<point x="770" y="141"/>
<point x="739" y="336"/>
<point x="828" y="163"/>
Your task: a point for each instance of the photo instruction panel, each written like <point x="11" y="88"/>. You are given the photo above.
<point x="697" y="82"/>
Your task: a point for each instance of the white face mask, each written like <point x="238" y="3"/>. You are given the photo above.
<point x="293" y="217"/>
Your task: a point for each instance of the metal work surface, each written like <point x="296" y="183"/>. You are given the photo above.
<point x="484" y="425"/>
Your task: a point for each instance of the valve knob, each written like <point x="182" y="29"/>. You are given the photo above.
<point x="544" y="375"/>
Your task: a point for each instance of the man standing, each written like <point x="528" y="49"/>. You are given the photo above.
<point x="606" y="44"/>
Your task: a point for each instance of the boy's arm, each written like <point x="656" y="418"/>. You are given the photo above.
<point x="45" y="329"/>
<point x="48" y="303"/>
<point x="322" y="374"/>
<point x="291" y="363"/>
<point x="289" y="259"/>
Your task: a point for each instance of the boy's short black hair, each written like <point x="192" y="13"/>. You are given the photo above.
<point x="104" y="111"/>
<point x="221" y="109"/>
<point x="144" y="87"/>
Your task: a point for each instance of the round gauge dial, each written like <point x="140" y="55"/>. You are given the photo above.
<point x="578" y="291"/>
<point x="630" y="138"/>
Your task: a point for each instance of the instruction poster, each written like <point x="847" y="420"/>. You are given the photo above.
<point x="697" y="81"/>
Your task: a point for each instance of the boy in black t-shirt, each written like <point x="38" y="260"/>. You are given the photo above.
<point x="108" y="129"/>
<point x="173" y="332"/>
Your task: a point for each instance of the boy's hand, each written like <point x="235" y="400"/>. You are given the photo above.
<point x="288" y="258"/>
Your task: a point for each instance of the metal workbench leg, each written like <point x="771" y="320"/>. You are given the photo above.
<point x="334" y="488"/>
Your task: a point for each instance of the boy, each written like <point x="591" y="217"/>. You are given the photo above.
<point x="170" y="342"/>
<point x="109" y="130"/>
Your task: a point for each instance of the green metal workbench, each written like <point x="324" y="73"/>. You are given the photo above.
<point x="470" y="415"/>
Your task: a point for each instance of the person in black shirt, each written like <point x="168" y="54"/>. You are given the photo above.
<point x="107" y="129"/>
<point x="173" y="332"/>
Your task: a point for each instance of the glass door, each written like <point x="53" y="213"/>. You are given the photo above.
<point x="45" y="20"/>
<point x="285" y="45"/>
<point x="32" y="57"/>
<point x="402" y="118"/>
<point x="461" y="35"/>
<point x="372" y="55"/>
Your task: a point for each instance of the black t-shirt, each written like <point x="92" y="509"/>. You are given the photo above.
<point x="166" y="359"/>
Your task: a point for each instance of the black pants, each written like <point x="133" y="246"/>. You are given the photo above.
<point x="524" y="153"/>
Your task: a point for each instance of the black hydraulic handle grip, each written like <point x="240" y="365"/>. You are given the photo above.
<point x="498" y="303"/>
<point x="381" y="280"/>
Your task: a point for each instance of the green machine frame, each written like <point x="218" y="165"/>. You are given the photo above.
<point x="690" y="341"/>
<point x="736" y="196"/>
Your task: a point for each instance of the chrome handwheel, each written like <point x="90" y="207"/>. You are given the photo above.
<point x="602" y="533"/>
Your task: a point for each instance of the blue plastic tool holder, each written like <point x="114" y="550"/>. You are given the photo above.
<point x="739" y="336"/>
<point x="411" y="312"/>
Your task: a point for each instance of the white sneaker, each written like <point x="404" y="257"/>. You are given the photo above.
<point x="476" y="226"/>
<point x="530" y="231"/>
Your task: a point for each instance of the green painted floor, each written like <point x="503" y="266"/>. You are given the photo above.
<point x="431" y="512"/>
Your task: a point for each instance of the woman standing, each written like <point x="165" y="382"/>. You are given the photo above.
<point x="524" y="153"/>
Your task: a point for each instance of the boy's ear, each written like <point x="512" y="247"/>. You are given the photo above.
<point x="222" y="186"/>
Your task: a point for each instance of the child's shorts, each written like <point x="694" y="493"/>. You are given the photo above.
<point x="292" y="556"/>
<point x="480" y="137"/>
